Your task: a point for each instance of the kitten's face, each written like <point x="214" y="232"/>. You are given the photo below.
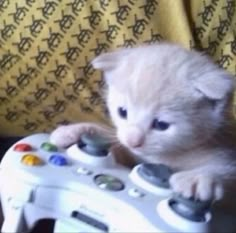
<point x="157" y="102"/>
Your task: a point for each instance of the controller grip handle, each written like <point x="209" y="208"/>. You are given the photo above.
<point x="14" y="218"/>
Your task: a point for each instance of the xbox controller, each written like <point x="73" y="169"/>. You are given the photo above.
<point x="85" y="190"/>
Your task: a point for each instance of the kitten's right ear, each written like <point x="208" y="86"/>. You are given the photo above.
<point x="109" y="61"/>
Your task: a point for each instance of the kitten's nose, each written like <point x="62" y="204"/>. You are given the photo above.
<point x="135" y="137"/>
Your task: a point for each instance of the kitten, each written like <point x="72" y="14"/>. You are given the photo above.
<point x="172" y="106"/>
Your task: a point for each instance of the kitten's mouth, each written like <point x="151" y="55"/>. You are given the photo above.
<point x="136" y="151"/>
<point x="142" y="152"/>
<point x="139" y="151"/>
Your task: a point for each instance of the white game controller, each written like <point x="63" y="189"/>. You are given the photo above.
<point x="84" y="190"/>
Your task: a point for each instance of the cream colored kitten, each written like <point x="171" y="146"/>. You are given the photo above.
<point x="172" y="106"/>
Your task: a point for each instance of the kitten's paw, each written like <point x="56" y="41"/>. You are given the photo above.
<point x="67" y="135"/>
<point x="64" y="136"/>
<point x="203" y="187"/>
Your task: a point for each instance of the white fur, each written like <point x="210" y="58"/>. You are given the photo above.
<point x="183" y="88"/>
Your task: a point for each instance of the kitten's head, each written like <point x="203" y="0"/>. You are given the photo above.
<point x="164" y="98"/>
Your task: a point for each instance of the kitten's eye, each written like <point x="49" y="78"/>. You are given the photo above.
<point x="160" y="125"/>
<point x="122" y="112"/>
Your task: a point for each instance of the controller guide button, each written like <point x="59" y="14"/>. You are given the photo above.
<point x="31" y="160"/>
<point x="58" y="160"/>
<point x="133" y="192"/>
<point x="49" y="147"/>
<point x="23" y="147"/>
<point x="109" y="182"/>
<point x="83" y="171"/>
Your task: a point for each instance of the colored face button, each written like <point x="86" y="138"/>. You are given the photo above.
<point x="31" y="160"/>
<point x="58" y="160"/>
<point x="48" y="146"/>
<point x="109" y="182"/>
<point x="22" y="147"/>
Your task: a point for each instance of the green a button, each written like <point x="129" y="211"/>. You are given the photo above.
<point x="48" y="146"/>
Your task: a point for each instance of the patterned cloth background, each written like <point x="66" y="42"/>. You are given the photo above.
<point x="46" y="46"/>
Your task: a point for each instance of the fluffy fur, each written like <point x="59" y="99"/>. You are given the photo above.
<point x="186" y="91"/>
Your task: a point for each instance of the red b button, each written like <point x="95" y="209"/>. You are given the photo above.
<point x="22" y="147"/>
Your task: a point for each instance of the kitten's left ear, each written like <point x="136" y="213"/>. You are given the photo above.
<point x="109" y="61"/>
<point x="216" y="85"/>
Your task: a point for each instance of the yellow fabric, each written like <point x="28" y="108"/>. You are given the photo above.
<point x="46" y="46"/>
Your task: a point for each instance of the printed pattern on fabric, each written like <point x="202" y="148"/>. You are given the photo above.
<point x="46" y="47"/>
